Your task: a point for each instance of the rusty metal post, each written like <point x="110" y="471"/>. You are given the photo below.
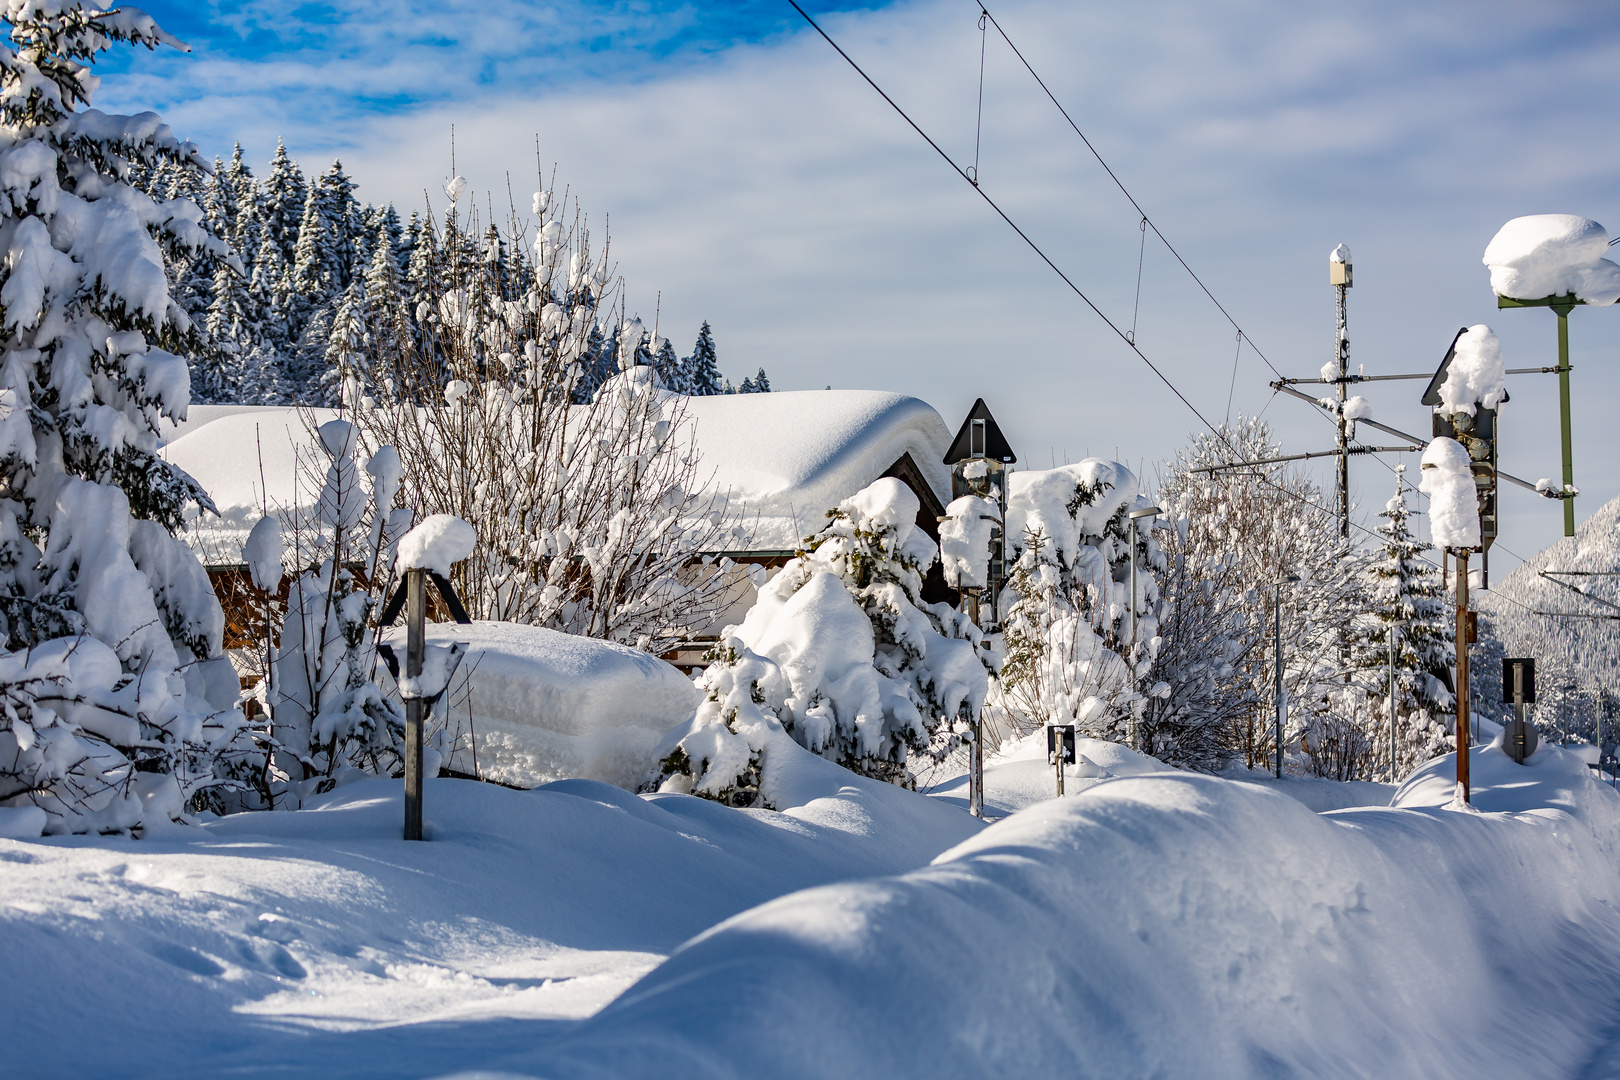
<point x="1462" y="673"/>
<point x="415" y="707"/>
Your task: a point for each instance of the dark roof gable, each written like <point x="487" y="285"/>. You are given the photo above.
<point x="995" y="443"/>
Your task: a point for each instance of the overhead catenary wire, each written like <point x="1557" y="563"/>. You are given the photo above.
<point x="1022" y="235"/>
<point x="984" y="13"/>
<point x="1041" y="254"/>
<point x="1146" y="222"/>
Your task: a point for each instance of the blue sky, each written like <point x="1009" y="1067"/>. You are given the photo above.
<point x="751" y="180"/>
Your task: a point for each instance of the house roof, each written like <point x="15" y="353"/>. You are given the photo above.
<point x="784" y="458"/>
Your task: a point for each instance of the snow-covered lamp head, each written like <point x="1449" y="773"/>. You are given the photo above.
<point x="1339" y="267"/>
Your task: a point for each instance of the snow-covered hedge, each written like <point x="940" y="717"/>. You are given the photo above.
<point x="842" y="655"/>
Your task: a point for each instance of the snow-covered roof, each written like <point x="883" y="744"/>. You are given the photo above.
<point x="789" y="456"/>
<point x="228" y="449"/>
<point x="784" y="458"/>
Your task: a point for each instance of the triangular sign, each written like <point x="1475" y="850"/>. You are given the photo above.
<point x="1431" y="396"/>
<point x="987" y="442"/>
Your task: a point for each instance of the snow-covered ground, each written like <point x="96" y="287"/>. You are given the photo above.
<point x="1152" y="923"/>
<point x="317" y="942"/>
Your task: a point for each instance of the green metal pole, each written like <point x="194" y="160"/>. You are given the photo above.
<point x="1563" y="409"/>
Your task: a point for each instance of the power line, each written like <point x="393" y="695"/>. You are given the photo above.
<point x="985" y="12"/>
<point x="1033" y="246"/>
<point x="1054" y="267"/>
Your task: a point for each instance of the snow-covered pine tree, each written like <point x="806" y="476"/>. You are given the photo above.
<point x="386" y="314"/>
<point x="747" y="386"/>
<point x="245" y="196"/>
<point x="1068" y="624"/>
<point x="1406" y="593"/>
<point x="671" y="372"/>
<point x="118" y="702"/>
<point x="762" y="385"/>
<point x="702" y="370"/>
<point x="842" y="653"/>
<point x="347" y="358"/>
<point x="282" y="204"/>
<point x="329" y="715"/>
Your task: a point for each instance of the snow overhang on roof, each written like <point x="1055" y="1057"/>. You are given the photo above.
<point x="787" y="457"/>
<point x="784" y="459"/>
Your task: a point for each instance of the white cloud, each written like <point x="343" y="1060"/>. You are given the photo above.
<point x="768" y="190"/>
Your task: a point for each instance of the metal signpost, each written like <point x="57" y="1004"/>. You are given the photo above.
<point x="978" y="457"/>
<point x="1060" y="749"/>
<point x="412" y="597"/>
<point x="1519" y="690"/>
<point x="1130" y="647"/>
<point x="1277" y="665"/>
<point x="1394" y="635"/>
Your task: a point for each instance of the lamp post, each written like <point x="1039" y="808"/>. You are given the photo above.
<point x="1276" y="611"/>
<point x="1394" y="634"/>
<point x="1561" y="307"/>
<point x="1130" y="648"/>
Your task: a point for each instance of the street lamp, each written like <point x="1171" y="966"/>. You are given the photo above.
<point x="1276" y="609"/>
<point x="1130" y="653"/>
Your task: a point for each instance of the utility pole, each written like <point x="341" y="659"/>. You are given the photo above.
<point x="1462" y="671"/>
<point x="1339" y="274"/>
<point x="1393" y="636"/>
<point x="1561" y="307"/>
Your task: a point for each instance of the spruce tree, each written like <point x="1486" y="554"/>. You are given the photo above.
<point x="702" y="368"/>
<point x="285" y="193"/>
<point x="762" y="385"/>
<point x="1406" y="594"/>
<point x="99" y="604"/>
<point x="671" y="372"/>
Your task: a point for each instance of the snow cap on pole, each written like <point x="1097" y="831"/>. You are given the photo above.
<point x="1448" y="481"/>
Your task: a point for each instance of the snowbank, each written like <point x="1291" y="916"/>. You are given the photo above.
<point x="1551" y="255"/>
<point x="318" y="943"/>
<point x="1167" y="926"/>
<point x="543" y="705"/>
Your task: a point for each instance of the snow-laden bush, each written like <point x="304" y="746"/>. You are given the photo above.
<point x="1068" y="627"/>
<point x="583" y="483"/>
<point x="329" y="715"/>
<point x="1235" y="533"/>
<point x="842" y="655"/>
<point x="117" y="703"/>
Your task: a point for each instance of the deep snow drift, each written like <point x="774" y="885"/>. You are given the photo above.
<point x="1170" y="925"/>
<point x="1156" y="924"/>
<point x="318" y="943"/>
